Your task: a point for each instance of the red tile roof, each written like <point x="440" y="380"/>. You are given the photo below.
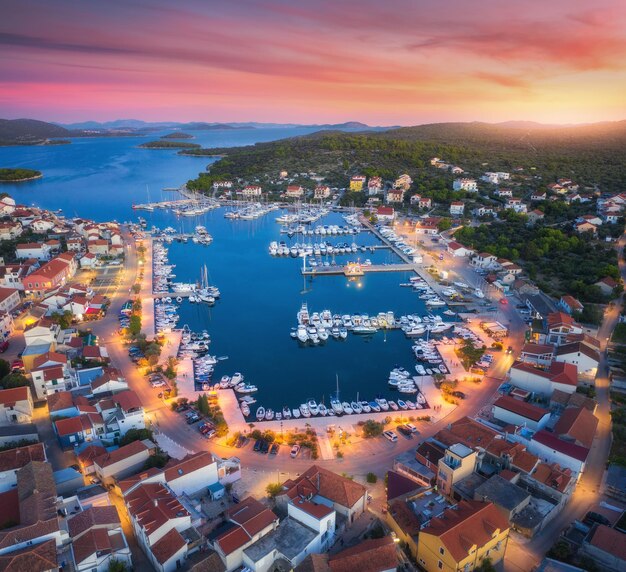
<point x="152" y="505"/>
<point x="168" y="546"/>
<point x="9" y="397"/>
<point x="14" y="459"/>
<point x="527" y="410"/>
<point x="374" y="555"/>
<point x="317" y="511"/>
<point x="191" y="463"/>
<point x="93" y="516"/>
<point x="73" y="425"/>
<point x="610" y="541"/>
<point x="89" y="453"/>
<point x="125" y="452"/>
<point x="330" y="485"/>
<point x="60" y="401"/>
<point x="470" y="523"/>
<point x="552" y="475"/>
<point x="251" y="515"/>
<point x="127" y="400"/>
<point x="579" y="424"/>
<point x="553" y="442"/>
<point x="37" y="558"/>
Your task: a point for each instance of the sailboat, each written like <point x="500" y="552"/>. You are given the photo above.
<point x="205" y="292"/>
<point x="334" y="401"/>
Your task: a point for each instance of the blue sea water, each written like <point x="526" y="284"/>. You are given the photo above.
<point x="100" y="178"/>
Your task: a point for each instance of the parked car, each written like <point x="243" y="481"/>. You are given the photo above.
<point x="17" y="364"/>
<point x="257" y="445"/>
<point x="274" y="449"/>
<point x="193" y="419"/>
<point x="390" y="436"/>
<point x="182" y="407"/>
<point x="458" y="394"/>
<point x="265" y="447"/>
<point x="412" y="427"/>
<point x="294" y="451"/>
<point x="4" y="346"/>
<point x="405" y="431"/>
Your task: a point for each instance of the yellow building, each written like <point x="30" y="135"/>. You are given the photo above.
<point x="357" y="182"/>
<point x="462" y="537"/>
<point x="458" y="462"/>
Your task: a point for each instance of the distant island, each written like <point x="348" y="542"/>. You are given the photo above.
<point x="178" y="135"/>
<point x="169" y="145"/>
<point x="19" y="175"/>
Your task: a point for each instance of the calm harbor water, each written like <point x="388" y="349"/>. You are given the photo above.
<point x="100" y="178"/>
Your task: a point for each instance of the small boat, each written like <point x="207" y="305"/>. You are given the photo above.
<point x="296" y="413"/>
<point x="245" y="409"/>
<point x="304" y="409"/>
<point x="356" y="407"/>
<point x="401" y="404"/>
<point x="374" y="406"/>
<point x="336" y="406"/>
<point x="260" y="413"/>
<point x="237" y="378"/>
<point x="346" y="408"/>
<point x="365" y="406"/>
<point x="383" y="404"/>
<point x="269" y="415"/>
<point x="410" y="404"/>
<point x="312" y="405"/>
<point x="286" y="413"/>
<point x="323" y="410"/>
<point x="393" y="405"/>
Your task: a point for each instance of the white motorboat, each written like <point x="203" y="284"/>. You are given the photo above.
<point x="304" y="409"/>
<point x="343" y="333"/>
<point x="363" y="330"/>
<point x="296" y="413"/>
<point x="312" y="405"/>
<point x="402" y="404"/>
<point x="269" y="415"/>
<point x="356" y="407"/>
<point x="336" y="406"/>
<point x="245" y="409"/>
<point x="393" y="405"/>
<point x="245" y="388"/>
<point x="365" y="406"/>
<point x="286" y="413"/>
<point x="410" y="404"/>
<point x="236" y="378"/>
<point x="301" y="334"/>
<point x="260" y="413"/>
<point x="383" y="404"/>
<point x="346" y="408"/>
<point x="323" y="410"/>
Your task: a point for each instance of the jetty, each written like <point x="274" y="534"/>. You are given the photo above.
<point x="348" y="270"/>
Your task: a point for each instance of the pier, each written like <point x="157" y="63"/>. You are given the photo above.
<point x="343" y="270"/>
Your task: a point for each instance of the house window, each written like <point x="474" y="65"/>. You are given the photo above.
<point x="440" y="565"/>
<point x="441" y="551"/>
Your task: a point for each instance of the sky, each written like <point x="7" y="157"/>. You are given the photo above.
<point x="382" y="62"/>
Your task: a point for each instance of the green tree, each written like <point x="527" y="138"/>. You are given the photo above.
<point x="486" y="566"/>
<point x="203" y="404"/>
<point x="117" y="566"/>
<point x="14" y="380"/>
<point x="135" y="435"/>
<point x="371" y="478"/>
<point x="444" y="224"/>
<point x="5" y="368"/>
<point x="273" y="489"/>
<point x="372" y="428"/>
<point x="134" y="326"/>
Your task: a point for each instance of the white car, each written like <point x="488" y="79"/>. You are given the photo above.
<point x="294" y="451"/>
<point x="412" y="427"/>
<point x="390" y="436"/>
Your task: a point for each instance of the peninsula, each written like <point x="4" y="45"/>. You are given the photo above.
<point x="19" y="175"/>
<point x="169" y="145"/>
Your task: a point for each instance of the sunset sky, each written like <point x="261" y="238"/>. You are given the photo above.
<point x="312" y="61"/>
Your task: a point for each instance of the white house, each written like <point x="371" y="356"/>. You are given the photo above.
<point x="39" y="251"/>
<point x="517" y="205"/>
<point x="97" y="539"/>
<point x="484" y="260"/>
<point x="252" y="191"/>
<point x="550" y="449"/>
<point x="457" y="208"/>
<point x="9" y="299"/>
<point x="468" y="185"/>
<point x="516" y="412"/>
<point x="583" y="356"/>
<point x="308" y="529"/>
<point x="250" y="522"/>
<point x="457" y="249"/>
<point x="321" y="192"/>
<point x="16" y="405"/>
<point x="561" y="376"/>
<point x="123" y="461"/>
<point x="158" y="519"/>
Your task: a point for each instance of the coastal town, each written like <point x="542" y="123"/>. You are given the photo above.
<point x="501" y="448"/>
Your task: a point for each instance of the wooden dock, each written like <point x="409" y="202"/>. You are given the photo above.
<point x="341" y="270"/>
